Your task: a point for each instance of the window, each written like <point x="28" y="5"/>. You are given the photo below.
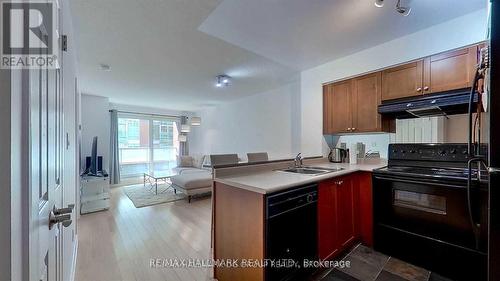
<point x="146" y="144"/>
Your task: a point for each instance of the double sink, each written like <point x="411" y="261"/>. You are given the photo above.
<point x="308" y="170"/>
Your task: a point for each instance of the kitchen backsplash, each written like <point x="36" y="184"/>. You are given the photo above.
<point x="452" y="129"/>
<point x="373" y="142"/>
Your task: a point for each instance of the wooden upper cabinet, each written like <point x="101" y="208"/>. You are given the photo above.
<point x="450" y="70"/>
<point x="351" y="106"/>
<point x="366" y="98"/>
<point x="402" y="81"/>
<point x="337" y="116"/>
<point x="327" y="108"/>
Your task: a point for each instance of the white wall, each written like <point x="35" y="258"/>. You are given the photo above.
<point x="267" y="122"/>
<point x="148" y="110"/>
<point x="95" y="122"/>
<point x="456" y="33"/>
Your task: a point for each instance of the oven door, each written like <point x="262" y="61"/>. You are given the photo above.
<point x="434" y="209"/>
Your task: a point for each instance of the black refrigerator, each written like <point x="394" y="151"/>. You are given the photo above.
<point x="494" y="144"/>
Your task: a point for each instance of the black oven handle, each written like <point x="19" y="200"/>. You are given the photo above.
<point x="417" y="182"/>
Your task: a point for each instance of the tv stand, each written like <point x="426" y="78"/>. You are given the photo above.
<point x="94" y="193"/>
<point x="99" y="174"/>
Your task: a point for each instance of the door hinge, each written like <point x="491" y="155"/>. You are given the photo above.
<point x="64" y="43"/>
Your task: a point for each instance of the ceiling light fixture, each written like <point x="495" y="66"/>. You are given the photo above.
<point x="379" y="3"/>
<point x="222" y="80"/>
<point x="195" y="121"/>
<point x="405" y="11"/>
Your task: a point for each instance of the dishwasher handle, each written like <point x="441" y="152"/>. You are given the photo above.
<point x="291" y="203"/>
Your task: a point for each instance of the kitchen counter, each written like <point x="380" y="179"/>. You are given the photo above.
<point x="240" y="210"/>
<point x="272" y="180"/>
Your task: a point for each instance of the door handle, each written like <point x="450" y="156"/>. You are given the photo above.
<point x="62" y="215"/>
<point x="62" y="211"/>
<point x="55" y="219"/>
<point x="67" y="141"/>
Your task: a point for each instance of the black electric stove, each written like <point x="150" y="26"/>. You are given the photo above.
<point x="427" y="212"/>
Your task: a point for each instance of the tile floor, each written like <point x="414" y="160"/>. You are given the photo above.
<point x="369" y="265"/>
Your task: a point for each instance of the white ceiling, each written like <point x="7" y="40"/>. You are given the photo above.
<point x="158" y="57"/>
<point x="306" y="33"/>
<point x="166" y="53"/>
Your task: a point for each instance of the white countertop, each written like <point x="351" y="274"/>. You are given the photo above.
<point x="272" y="180"/>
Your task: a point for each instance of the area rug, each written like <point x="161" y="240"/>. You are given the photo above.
<point x="141" y="196"/>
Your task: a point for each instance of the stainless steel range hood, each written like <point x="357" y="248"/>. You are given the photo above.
<point x="440" y="104"/>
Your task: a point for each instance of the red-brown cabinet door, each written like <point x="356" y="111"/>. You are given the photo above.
<point x="327" y="220"/>
<point x="346" y="213"/>
<point x="365" y="221"/>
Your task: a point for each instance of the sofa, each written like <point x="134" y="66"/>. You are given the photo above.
<point x="192" y="178"/>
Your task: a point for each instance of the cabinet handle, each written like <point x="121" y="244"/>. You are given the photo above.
<point x="340" y="182"/>
<point x="419" y="89"/>
<point x="426" y="88"/>
<point x="353" y="129"/>
<point x="349" y="129"/>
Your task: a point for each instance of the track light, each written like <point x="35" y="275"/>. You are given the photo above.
<point x="222" y="80"/>
<point x="405" y="11"/>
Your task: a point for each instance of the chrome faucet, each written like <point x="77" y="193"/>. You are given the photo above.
<point x="298" y="160"/>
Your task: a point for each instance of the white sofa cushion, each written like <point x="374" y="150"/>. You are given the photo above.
<point x="193" y="180"/>
<point x="185" y="161"/>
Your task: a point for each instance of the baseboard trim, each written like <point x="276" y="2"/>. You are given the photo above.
<point x="75" y="256"/>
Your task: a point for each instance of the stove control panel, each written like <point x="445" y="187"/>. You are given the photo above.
<point x="432" y="152"/>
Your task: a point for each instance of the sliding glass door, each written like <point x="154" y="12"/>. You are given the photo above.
<point x="147" y="144"/>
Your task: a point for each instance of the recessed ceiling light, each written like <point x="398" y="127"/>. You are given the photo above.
<point x="222" y="80"/>
<point x="379" y="3"/>
<point x="105" y="67"/>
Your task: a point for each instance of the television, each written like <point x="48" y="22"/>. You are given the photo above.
<point x="93" y="158"/>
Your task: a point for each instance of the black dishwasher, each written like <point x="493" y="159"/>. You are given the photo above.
<point x="291" y="232"/>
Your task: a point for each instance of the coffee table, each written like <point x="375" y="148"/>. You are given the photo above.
<point x="159" y="177"/>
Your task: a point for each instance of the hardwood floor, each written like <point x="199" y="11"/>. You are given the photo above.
<point x="118" y="244"/>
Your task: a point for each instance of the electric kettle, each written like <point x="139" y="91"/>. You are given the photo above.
<point x="337" y="155"/>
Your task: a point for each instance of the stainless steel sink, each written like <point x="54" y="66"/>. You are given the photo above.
<point x="326" y="169"/>
<point x="311" y="170"/>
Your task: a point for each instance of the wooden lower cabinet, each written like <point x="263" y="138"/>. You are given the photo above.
<point x="347" y="204"/>
<point x="344" y="214"/>
<point x="328" y="245"/>
<point x="365" y="225"/>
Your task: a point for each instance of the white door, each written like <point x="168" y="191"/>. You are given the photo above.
<point x="46" y="187"/>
